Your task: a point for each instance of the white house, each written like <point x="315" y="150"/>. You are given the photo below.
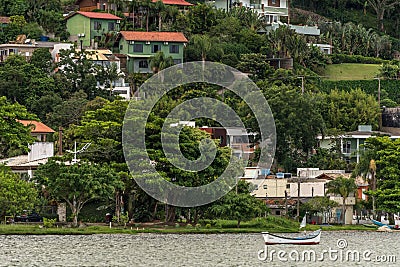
<point x="39" y="153"/>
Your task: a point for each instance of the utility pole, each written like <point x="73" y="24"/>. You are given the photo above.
<point x="286" y="209"/>
<point x="298" y="199"/>
<point x="60" y="148"/>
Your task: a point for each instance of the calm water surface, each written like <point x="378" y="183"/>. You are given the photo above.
<point x="196" y="250"/>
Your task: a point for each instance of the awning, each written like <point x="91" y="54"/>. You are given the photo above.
<point x="139" y="56"/>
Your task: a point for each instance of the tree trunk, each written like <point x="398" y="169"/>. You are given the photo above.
<point x="117" y="206"/>
<point x="155" y="210"/>
<point x="130" y="205"/>
<point x="344" y="211"/>
<point x="159" y="21"/>
<point x="75" y="212"/>
<point x="147" y="19"/>
<point x="171" y="214"/>
<point x="133" y="17"/>
<point x="238" y="223"/>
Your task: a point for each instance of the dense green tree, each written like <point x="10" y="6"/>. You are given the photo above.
<point x="319" y="205"/>
<point x="344" y="111"/>
<point x="78" y="183"/>
<point x="68" y="112"/>
<point x="14" y="136"/>
<point x="240" y="205"/>
<point x="16" y="194"/>
<point x="385" y="153"/>
<point x="41" y="58"/>
<point x="103" y="128"/>
<point x="255" y="64"/>
<point x="23" y="82"/>
<point x="298" y="122"/>
<point x="79" y="72"/>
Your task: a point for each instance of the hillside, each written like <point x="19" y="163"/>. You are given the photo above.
<point x="351" y="71"/>
<point x="358" y="12"/>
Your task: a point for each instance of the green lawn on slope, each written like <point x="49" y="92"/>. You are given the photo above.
<point x="351" y="71"/>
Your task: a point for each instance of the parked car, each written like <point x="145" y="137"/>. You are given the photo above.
<point x="28" y="217"/>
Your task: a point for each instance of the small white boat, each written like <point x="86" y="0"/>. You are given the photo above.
<point x="310" y="239"/>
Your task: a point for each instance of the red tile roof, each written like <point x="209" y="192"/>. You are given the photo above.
<point x="98" y="15"/>
<point x="175" y="2"/>
<point x="37" y="127"/>
<point x="4" y="20"/>
<point x="154" y="36"/>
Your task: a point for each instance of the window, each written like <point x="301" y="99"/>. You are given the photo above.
<point x="346" y="149"/>
<point x="121" y="47"/>
<point x="177" y="61"/>
<point x="273" y="2"/>
<point x="97" y="25"/>
<point x="111" y="26"/>
<point x="238" y="140"/>
<point x="287" y="186"/>
<point x="155" y="48"/>
<point x="174" y="49"/>
<point x="138" y="48"/>
<point x="143" y="64"/>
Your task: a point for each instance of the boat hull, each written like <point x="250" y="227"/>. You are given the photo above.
<point x="311" y="239"/>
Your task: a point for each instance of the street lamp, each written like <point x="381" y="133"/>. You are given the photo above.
<point x="266" y="197"/>
<point x="81" y="36"/>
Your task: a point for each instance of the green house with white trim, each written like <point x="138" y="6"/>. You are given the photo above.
<point x="87" y="28"/>
<point x="139" y="47"/>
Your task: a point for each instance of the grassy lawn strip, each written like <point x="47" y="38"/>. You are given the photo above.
<point x="269" y="224"/>
<point x="351" y="71"/>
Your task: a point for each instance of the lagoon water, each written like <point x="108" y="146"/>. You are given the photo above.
<point x="344" y="248"/>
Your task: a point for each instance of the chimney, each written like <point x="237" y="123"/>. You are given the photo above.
<point x="60" y="147"/>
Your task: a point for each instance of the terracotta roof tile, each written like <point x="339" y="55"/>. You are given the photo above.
<point x="4" y="20"/>
<point x="154" y="36"/>
<point x="175" y="2"/>
<point x="98" y="15"/>
<point x="37" y="127"/>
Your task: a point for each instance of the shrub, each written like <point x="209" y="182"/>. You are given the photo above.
<point x="49" y="223"/>
<point x="343" y="58"/>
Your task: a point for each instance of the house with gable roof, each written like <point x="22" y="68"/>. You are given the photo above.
<point x="39" y="152"/>
<point x="87" y="28"/>
<point x="139" y="47"/>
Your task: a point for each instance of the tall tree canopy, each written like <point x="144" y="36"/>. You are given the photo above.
<point x="14" y="136"/>
<point x="78" y="183"/>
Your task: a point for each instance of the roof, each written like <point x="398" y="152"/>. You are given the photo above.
<point x="4" y="20"/>
<point x="37" y="127"/>
<point x="154" y="36"/>
<point x="95" y="15"/>
<point x="174" y="2"/>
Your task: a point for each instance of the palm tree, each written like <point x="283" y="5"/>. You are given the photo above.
<point x="372" y="170"/>
<point x="159" y="8"/>
<point x="203" y="44"/>
<point x="132" y="6"/>
<point x="344" y="187"/>
<point x="159" y="62"/>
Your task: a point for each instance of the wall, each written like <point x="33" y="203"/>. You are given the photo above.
<point x="78" y="24"/>
<point x="40" y="150"/>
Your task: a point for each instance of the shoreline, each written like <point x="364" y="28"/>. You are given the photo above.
<point x="25" y="229"/>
